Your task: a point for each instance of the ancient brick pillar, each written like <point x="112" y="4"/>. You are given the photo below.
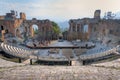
<point x="97" y="14"/>
<point x="22" y="16"/>
<point x="31" y="31"/>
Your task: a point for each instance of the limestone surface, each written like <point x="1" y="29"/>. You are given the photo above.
<point x="38" y="72"/>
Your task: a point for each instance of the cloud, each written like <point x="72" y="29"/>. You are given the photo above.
<point x="59" y="9"/>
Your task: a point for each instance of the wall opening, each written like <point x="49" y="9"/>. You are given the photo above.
<point x="85" y="28"/>
<point x="1" y="28"/>
<point x="18" y="33"/>
<point x="34" y="30"/>
<point x="2" y="32"/>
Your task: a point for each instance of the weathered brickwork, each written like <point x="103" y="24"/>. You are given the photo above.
<point x="20" y="26"/>
<point x="80" y="28"/>
<point x="93" y="28"/>
<point x="44" y="27"/>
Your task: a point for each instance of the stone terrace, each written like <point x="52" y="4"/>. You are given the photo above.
<point x="59" y="73"/>
<point x="111" y="64"/>
<point x="7" y="64"/>
<point x="38" y="72"/>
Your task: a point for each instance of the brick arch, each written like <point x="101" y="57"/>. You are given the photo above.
<point x="3" y="27"/>
<point x="30" y="24"/>
<point x="31" y="30"/>
<point x="44" y="28"/>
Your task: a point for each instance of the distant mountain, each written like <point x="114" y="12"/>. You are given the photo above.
<point x="117" y="15"/>
<point x="63" y="25"/>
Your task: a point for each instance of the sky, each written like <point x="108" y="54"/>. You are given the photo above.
<point x="59" y="10"/>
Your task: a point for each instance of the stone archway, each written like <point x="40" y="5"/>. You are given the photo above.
<point x="33" y="30"/>
<point x="1" y="27"/>
<point x="44" y="29"/>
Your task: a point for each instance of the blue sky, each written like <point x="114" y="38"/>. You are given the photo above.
<point x="59" y="10"/>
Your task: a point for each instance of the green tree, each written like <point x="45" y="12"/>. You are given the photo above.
<point x="36" y="31"/>
<point x="56" y="28"/>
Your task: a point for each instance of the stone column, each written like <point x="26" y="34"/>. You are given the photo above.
<point x="71" y="28"/>
<point x="30" y="61"/>
<point x="2" y="33"/>
<point x="20" y="60"/>
<point x="76" y="27"/>
<point x="31" y="31"/>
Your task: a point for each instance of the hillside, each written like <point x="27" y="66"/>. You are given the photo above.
<point x="63" y="25"/>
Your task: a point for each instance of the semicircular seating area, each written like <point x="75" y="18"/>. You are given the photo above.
<point x="16" y="51"/>
<point x="98" y="52"/>
<point x="23" y="52"/>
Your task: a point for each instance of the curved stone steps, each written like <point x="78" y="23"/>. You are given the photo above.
<point x="9" y="49"/>
<point x="97" y="55"/>
<point x="15" y="51"/>
<point x="25" y="53"/>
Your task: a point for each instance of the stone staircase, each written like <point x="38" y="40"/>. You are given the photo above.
<point x="26" y="61"/>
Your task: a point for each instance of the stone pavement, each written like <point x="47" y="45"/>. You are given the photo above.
<point x="59" y="73"/>
<point x="15" y="71"/>
<point x="52" y="42"/>
<point x="7" y="64"/>
<point x="111" y="64"/>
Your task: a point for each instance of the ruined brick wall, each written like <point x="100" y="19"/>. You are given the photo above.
<point x="22" y="16"/>
<point x="96" y="30"/>
<point x="2" y="17"/>
<point x="10" y="25"/>
<point x="97" y="14"/>
<point x="7" y="25"/>
<point x="103" y="29"/>
<point x="44" y="27"/>
<point x="77" y="29"/>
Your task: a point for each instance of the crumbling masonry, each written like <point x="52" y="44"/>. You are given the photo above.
<point x="106" y="30"/>
<point x="21" y="28"/>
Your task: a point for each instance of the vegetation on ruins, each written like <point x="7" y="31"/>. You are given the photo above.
<point x="56" y="28"/>
<point x="36" y="31"/>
